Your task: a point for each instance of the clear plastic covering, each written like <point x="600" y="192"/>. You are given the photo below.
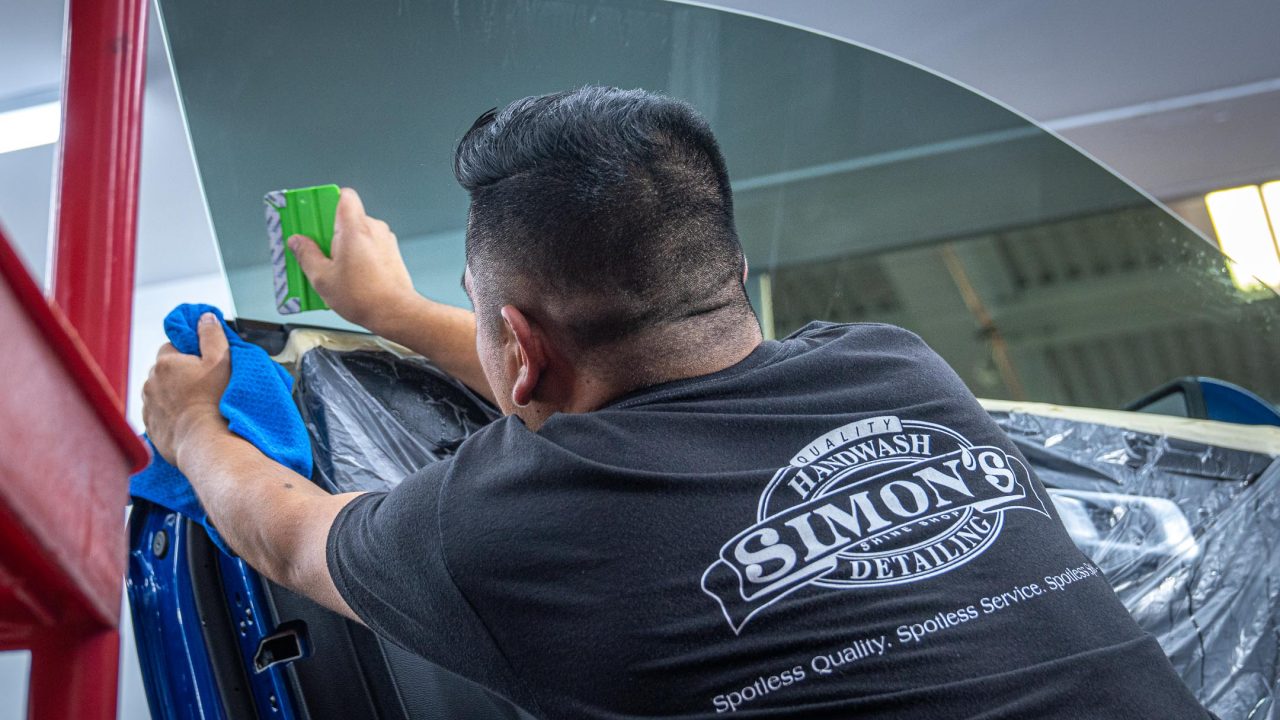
<point x="1187" y="531"/>
<point x="1188" y="535"/>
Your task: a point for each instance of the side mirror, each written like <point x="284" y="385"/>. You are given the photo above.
<point x="1208" y="399"/>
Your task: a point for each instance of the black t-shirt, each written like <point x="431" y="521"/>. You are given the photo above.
<point x="832" y="527"/>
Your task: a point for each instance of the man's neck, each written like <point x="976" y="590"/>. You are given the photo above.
<point x="657" y="360"/>
<point x="660" y="355"/>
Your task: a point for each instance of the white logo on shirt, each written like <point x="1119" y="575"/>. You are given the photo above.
<point x="880" y="501"/>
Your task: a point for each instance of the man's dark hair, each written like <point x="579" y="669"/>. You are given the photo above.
<point x="611" y="208"/>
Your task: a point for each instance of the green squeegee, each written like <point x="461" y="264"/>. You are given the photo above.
<point x="306" y="211"/>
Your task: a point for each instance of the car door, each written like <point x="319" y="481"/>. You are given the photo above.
<point x="218" y="640"/>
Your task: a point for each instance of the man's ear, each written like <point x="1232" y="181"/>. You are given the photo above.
<point x="746" y="270"/>
<point x="532" y="356"/>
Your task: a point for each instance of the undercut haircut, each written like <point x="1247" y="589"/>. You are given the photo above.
<point x="607" y="210"/>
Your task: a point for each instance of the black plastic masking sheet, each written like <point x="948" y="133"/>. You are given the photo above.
<point x="375" y="416"/>
<point x="1187" y="533"/>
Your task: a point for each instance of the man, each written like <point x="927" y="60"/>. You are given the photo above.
<point x="675" y="518"/>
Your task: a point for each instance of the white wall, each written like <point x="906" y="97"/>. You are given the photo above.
<point x="15" y="666"/>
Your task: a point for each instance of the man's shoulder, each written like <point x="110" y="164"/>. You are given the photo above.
<point x="505" y="442"/>
<point x="868" y="344"/>
<point x="503" y="458"/>
<point x="821" y="331"/>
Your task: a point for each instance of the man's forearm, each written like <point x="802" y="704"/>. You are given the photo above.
<point x="274" y="518"/>
<point x="443" y="333"/>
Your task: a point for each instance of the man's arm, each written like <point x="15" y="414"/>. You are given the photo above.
<point x="443" y="333"/>
<point x="274" y="518"/>
<point x="366" y="282"/>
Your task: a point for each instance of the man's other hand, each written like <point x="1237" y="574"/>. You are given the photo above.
<point x="180" y="398"/>
<point x="364" y="280"/>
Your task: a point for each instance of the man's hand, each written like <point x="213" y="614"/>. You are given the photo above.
<point x="366" y="282"/>
<point x="365" y="279"/>
<point x="180" y="398"/>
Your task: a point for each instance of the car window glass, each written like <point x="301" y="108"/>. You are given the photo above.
<point x="866" y="189"/>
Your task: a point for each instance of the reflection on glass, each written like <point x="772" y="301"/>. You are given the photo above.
<point x="1245" y="235"/>
<point x="866" y="189"/>
<point x="1092" y="310"/>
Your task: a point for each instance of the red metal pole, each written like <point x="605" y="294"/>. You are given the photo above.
<point x="98" y="179"/>
<point x="75" y="676"/>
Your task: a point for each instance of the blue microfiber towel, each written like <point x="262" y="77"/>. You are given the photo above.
<point x="256" y="404"/>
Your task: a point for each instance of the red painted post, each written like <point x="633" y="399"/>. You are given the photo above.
<point x="98" y="178"/>
<point x="75" y="675"/>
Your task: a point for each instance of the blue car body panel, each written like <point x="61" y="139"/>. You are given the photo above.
<point x="174" y="656"/>
<point x="1228" y="402"/>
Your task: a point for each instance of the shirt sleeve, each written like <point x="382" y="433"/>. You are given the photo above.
<point x="387" y="560"/>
